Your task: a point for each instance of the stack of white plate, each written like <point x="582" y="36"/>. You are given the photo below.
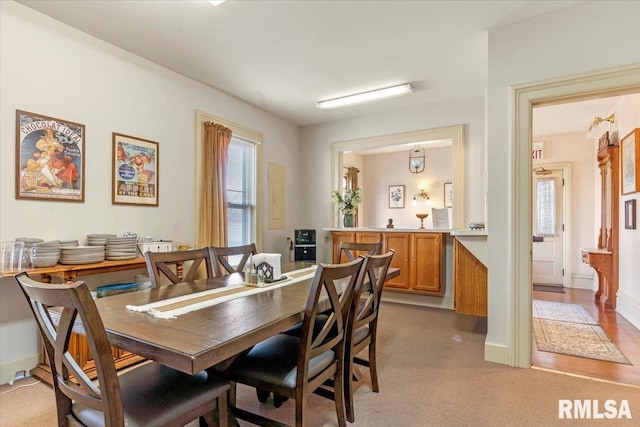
<point x="121" y="248"/>
<point x="45" y="254"/>
<point x="81" y="254"/>
<point x="67" y="243"/>
<point x="98" y="239"/>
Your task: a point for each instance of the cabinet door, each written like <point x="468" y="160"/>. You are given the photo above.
<point x="344" y="236"/>
<point x="400" y="243"/>
<point x="469" y="282"/>
<point x="367" y="237"/>
<point x="426" y="266"/>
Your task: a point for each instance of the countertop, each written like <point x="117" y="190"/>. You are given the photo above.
<point x="391" y="230"/>
<point x="465" y="232"/>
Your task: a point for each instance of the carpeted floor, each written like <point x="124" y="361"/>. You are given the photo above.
<point x="432" y="373"/>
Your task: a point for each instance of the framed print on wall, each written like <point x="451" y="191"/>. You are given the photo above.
<point x="448" y="195"/>
<point x="630" y="162"/>
<point x="134" y="171"/>
<point x="396" y="196"/>
<point x="49" y="158"/>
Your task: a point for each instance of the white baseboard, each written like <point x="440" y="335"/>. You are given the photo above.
<point x="421" y="300"/>
<point x="581" y="282"/>
<point x="9" y="368"/>
<point x="628" y="308"/>
<point x="497" y="354"/>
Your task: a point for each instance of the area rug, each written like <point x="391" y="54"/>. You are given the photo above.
<point x="576" y="339"/>
<point x="561" y="311"/>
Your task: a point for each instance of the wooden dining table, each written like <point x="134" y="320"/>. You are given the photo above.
<point x="209" y="336"/>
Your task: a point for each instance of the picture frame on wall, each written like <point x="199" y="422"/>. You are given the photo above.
<point x="396" y="196"/>
<point x="630" y="162"/>
<point x="49" y="158"/>
<point x="448" y="194"/>
<point x="135" y="178"/>
<point x="630" y="214"/>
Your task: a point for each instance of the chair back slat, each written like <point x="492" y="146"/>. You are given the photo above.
<point x="367" y="296"/>
<point x="220" y="256"/>
<point x="352" y="250"/>
<point x="172" y="265"/>
<point x="59" y="309"/>
<point x="337" y="282"/>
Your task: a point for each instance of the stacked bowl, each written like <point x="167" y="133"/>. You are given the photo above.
<point x="45" y="254"/>
<point x="67" y="243"/>
<point x="81" y="254"/>
<point x="98" y="239"/>
<point x="121" y="248"/>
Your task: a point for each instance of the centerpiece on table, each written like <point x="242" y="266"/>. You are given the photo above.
<point x="348" y="202"/>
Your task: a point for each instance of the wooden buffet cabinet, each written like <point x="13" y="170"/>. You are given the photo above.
<point x="79" y="345"/>
<point x="420" y="256"/>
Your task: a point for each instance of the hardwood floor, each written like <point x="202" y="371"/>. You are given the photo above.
<point x="623" y="333"/>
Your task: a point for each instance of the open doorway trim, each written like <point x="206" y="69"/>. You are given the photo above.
<point x="609" y="82"/>
<point x="454" y="133"/>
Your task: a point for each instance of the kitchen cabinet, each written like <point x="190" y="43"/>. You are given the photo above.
<point x="418" y="255"/>
<point x="470" y="282"/>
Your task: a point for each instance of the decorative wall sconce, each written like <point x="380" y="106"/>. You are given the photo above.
<point x="600" y="126"/>
<point x="421" y="197"/>
<point x="416" y="160"/>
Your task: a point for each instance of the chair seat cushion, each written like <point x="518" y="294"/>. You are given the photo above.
<point x="360" y="334"/>
<point x="154" y="395"/>
<point x="274" y="361"/>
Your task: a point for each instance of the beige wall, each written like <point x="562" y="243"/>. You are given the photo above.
<point x="382" y="170"/>
<point x="52" y="69"/>
<point x="551" y="46"/>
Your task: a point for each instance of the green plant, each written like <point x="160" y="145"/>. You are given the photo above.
<point x="347" y="201"/>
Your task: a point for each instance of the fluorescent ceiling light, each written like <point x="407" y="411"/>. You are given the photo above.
<point x="216" y="2"/>
<point x="366" y="96"/>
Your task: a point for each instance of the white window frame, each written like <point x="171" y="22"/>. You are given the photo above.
<point x="243" y="133"/>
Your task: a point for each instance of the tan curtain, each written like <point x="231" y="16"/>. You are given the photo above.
<point x="352" y="178"/>
<point x="213" y="209"/>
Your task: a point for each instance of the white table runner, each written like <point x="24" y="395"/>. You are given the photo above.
<point x="230" y="293"/>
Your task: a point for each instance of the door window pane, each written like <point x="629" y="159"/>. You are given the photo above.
<point x="546" y="204"/>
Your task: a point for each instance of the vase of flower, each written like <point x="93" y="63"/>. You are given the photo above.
<point x="348" y="202"/>
<point x="348" y="220"/>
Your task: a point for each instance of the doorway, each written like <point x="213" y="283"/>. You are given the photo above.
<point x="548" y="226"/>
<point x="618" y="81"/>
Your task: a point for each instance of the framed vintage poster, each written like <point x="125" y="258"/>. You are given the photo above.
<point x="630" y="162"/>
<point x="448" y="195"/>
<point x="49" y="158"/>
<point x="135" y="171"/>
<point x="396" y="196"/>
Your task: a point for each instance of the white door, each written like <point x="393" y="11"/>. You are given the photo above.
<point x="548" y="227"/>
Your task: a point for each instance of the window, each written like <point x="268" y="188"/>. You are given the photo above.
<point x="546" y="204"/>
<point x="241" y="194"/>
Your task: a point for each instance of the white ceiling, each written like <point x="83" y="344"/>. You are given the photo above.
<point x="285" y="56"/>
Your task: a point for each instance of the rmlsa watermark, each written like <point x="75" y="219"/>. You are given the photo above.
<point x="593" y="409"/>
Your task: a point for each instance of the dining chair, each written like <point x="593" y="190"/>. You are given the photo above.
<point x="295" y="367"/>
<point x="362" y="324"/>
<point x="148" y="395"/>
<point x="170" y="265"/>
<point x="352" y="250"/>
<point x="221" y="257"/>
